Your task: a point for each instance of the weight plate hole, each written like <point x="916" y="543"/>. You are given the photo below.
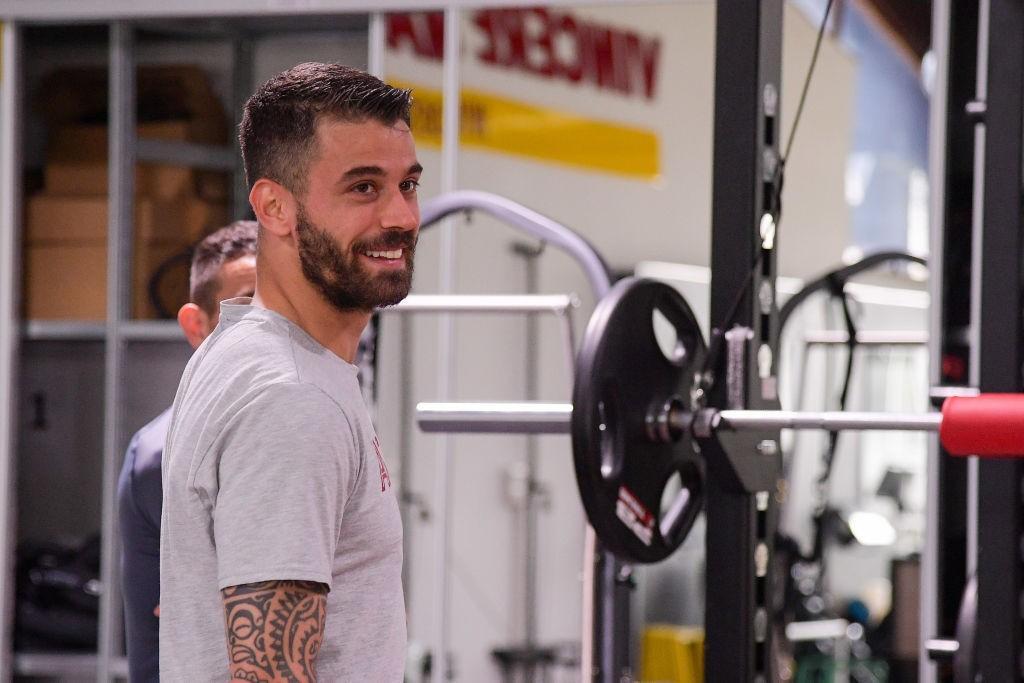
<point x="611" y="446"/>
<point x="675" y="499"/>
<point x="672" y="347"/>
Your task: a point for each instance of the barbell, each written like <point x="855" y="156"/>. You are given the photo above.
<point x="638" y="422"/>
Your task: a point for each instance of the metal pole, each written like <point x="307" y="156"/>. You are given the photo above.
<point x="868" y="338"/>
<point x="556" y="418"/>
<point x="376" y="44"/>
<point x="996" y="267"/>
<point x="242" y="55"/>
<point x="530" y="254"/>
<point x="446" y="340"/>
<point x="974" y="330"/>
<point x="10" y="228"/>
<point x="937" y="132"/>
<point x="496" y="417"/>
<point x="753" y="420"/>
<point x="119" y="253"/>
<point x="486" y="303"/>
<point x="405" y="460"/>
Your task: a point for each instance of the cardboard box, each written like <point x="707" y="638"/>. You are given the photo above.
<point x="79" y="94"/>
<point x="156" y="181"/>
<point x="159" y="181"/>
<point x="68" y="218"/>
<point x="89" y="143"/>
<point x="69" y="280"/>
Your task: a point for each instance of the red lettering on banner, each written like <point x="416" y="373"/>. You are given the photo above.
<point x="424" y="32"/>
<point x="545" y="43"/>
<point x="643" y="54"/>
<point x="602" y="66"/>
<point x="541" y="59"/>
<point x="567" y="26"/>
<point x="485" y="21"/>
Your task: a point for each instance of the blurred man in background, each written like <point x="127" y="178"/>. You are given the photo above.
<point x="223" y="267"/>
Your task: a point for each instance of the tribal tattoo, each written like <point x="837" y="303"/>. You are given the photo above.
<point x="274" y="630"/>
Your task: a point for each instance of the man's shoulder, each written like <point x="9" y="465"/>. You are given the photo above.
<point x="152" y="434"/>
<point x="251" y="351"/>
<point x="148" y="443"/>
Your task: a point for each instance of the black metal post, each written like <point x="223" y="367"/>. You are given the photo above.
<point x="741" y="510"/>
<point x="999" y="564"/>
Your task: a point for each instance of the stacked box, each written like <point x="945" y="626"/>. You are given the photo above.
<point x="66" y="253"/>
<point x="66" y="224"/>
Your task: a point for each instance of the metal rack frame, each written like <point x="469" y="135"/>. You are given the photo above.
<point x="747" y="128"/>
<point x="10" y="295"/>
<point x="117" y="331"/>
<point x="975" y="522"/>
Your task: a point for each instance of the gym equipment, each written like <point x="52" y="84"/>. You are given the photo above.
<point x="638" y="419"/>
<point x="624" y="447"/>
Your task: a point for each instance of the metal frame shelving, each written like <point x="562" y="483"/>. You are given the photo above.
<point x="117" y="332"/>
<point x="10" y="279"/>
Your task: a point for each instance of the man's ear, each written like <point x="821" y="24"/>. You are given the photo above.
<point x="274" y="206"/>
<point x="194" y="323"/>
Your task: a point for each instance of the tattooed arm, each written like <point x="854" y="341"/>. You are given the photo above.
<point x="274" y="630"/>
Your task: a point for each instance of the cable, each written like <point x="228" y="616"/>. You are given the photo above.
<point x="717" y="332"/>
<point x="807" y="81"/>
<point x="851" y="345"/>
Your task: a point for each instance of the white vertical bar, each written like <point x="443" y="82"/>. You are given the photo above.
<point x="10" y="227"/>
<point x="375" y="44"/>
<point x="938" y="106"/>
<point x="977" y="224"/>
<point x="446" y="339"/>
<point x="120" y="206"/>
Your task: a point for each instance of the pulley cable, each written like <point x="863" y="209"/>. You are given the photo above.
<point x="718" y="332"/>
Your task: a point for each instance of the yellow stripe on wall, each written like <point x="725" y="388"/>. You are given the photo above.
<point x="499" y="124"/>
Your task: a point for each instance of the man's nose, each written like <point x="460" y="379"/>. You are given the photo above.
<point x="401" y="213"/>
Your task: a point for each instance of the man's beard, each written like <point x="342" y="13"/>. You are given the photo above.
<point x="342" y="279"/>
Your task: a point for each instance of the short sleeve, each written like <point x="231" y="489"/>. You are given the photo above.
<point x="285" y="462"/>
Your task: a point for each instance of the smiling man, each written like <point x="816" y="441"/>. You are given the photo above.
<point x="281" y="546"/>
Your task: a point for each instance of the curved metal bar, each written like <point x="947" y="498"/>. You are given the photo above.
<point x="527" y="220"/>
<point x="841" y="275"/>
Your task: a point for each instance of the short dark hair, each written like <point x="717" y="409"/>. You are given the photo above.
<point x="278" y="130"/>
<point x="226" y="244"/>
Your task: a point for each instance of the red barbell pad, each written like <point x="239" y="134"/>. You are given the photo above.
<point x="989" y="425"/>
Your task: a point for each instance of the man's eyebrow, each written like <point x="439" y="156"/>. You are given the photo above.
<point x="375" y="171"/>
<point x="363" y="171"/>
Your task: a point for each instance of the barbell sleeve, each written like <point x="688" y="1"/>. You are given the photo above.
<point x="989" y="425"/>
<point x="495" y="417"/>
<point x="834" y="421"/>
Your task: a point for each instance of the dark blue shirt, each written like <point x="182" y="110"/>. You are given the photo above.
<point x="139" y="499"/>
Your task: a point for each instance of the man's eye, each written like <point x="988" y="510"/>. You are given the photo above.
<point x="410" y="185"/>
<point x="363" y="188"/>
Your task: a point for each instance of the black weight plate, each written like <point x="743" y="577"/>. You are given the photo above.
<point x="965" y="665"/>
<point x="622" y="377"/>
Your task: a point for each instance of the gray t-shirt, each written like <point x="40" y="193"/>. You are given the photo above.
<point x="272" y="471"/>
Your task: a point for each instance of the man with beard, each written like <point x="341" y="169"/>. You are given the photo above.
<point x="281" y="546"/>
